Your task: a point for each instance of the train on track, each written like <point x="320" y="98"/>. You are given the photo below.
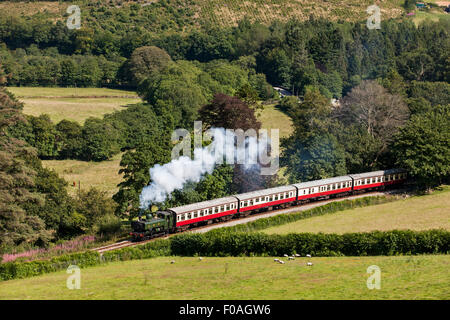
<point x="194" y="215"/>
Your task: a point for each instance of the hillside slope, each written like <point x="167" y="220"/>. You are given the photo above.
<point x="184" y="15"/>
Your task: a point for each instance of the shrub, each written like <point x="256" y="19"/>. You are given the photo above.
<point x="108" y="226"/>
<point x="350" y="244"/>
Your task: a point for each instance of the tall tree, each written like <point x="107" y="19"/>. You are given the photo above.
<point x="146" y="61"/>
<point x="229" y="113"/>
<point x="370" y="106"/>
<point x="311" y="152"/>
<point x="17" y="174"/>
<point x="423" y="146"/>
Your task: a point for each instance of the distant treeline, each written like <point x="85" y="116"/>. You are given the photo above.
<point x="335" y="56"/>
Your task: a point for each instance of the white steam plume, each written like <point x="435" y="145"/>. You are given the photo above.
<point x="175" y="174"/>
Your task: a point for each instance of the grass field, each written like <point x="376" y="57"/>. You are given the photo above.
<point x="418" y="277"/>
<point x="433" y="15"/>
<point x="272" y="118"/>
<point x="75" y="104"/>
<point x="102" y="175"/>
<point x="415" y="213"/>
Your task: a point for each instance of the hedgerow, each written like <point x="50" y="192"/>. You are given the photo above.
<point x="18" y="270"/>
<point x="397" y="242"/>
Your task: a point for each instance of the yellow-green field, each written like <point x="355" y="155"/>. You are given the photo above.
<point x="433" y="15"/>
<point x="418" y="277"/>
<point x="76" y="104"/>
<point x="415" y="213"/>
<point x="272" y="118"/>
<point x="101" y="175"/>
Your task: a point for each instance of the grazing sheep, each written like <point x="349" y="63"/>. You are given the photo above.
<point x="308" y="255"/>
<point x="285" y="255"/>
<point x="200" y="258"/>
<point x="291" y="258"/>
<point x="172" y="262"/>
<point x="281" y="262"/>
<point x="276" y="260"/>
<point x="297" y="255"/>
<point x="309" y="264"/>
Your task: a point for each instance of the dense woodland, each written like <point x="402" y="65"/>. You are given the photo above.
<point x="393" y="85"/>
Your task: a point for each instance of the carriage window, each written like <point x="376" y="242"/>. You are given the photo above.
<point x="201" y="213"/>
<point x="189" y="215"/>
<point x="250" y="202"/>
<point x="195" y="214"/>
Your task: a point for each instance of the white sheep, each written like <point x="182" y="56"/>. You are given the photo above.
<point x="291" y="258"/>
<point x="308" y="255"/>
<point x="297" y="255"/>
<point x="281" y="262"/>
<point x="276" y="260"/>
<point x="200" y="258"/>
<point x="309" y="264"/>
<point x="285" y="255"/>
<point x="172" y="262"/>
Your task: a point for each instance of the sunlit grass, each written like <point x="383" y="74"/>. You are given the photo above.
<point x="415" y="213"/>
<point x="101" y="175"/>
<point x="76" y="104"/>
<point x="402" y="277"/>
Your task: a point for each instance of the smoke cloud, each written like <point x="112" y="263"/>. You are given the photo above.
<point x="225" y="147"/>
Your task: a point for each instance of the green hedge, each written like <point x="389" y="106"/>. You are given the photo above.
<point x="376" y="243"/>
<point x="280" y="219"/>
<point x="18" y="270"/>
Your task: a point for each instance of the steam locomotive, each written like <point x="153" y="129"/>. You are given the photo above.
<point x="193" y="215"/>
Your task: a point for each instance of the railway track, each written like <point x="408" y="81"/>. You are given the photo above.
<point x="256" y="216"/>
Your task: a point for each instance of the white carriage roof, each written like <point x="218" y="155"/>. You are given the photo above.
<point x="203" y="205"/>
<point x="322" y="182"/>
<point x="376" y="173"/>
<point x="265" y="192"/>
